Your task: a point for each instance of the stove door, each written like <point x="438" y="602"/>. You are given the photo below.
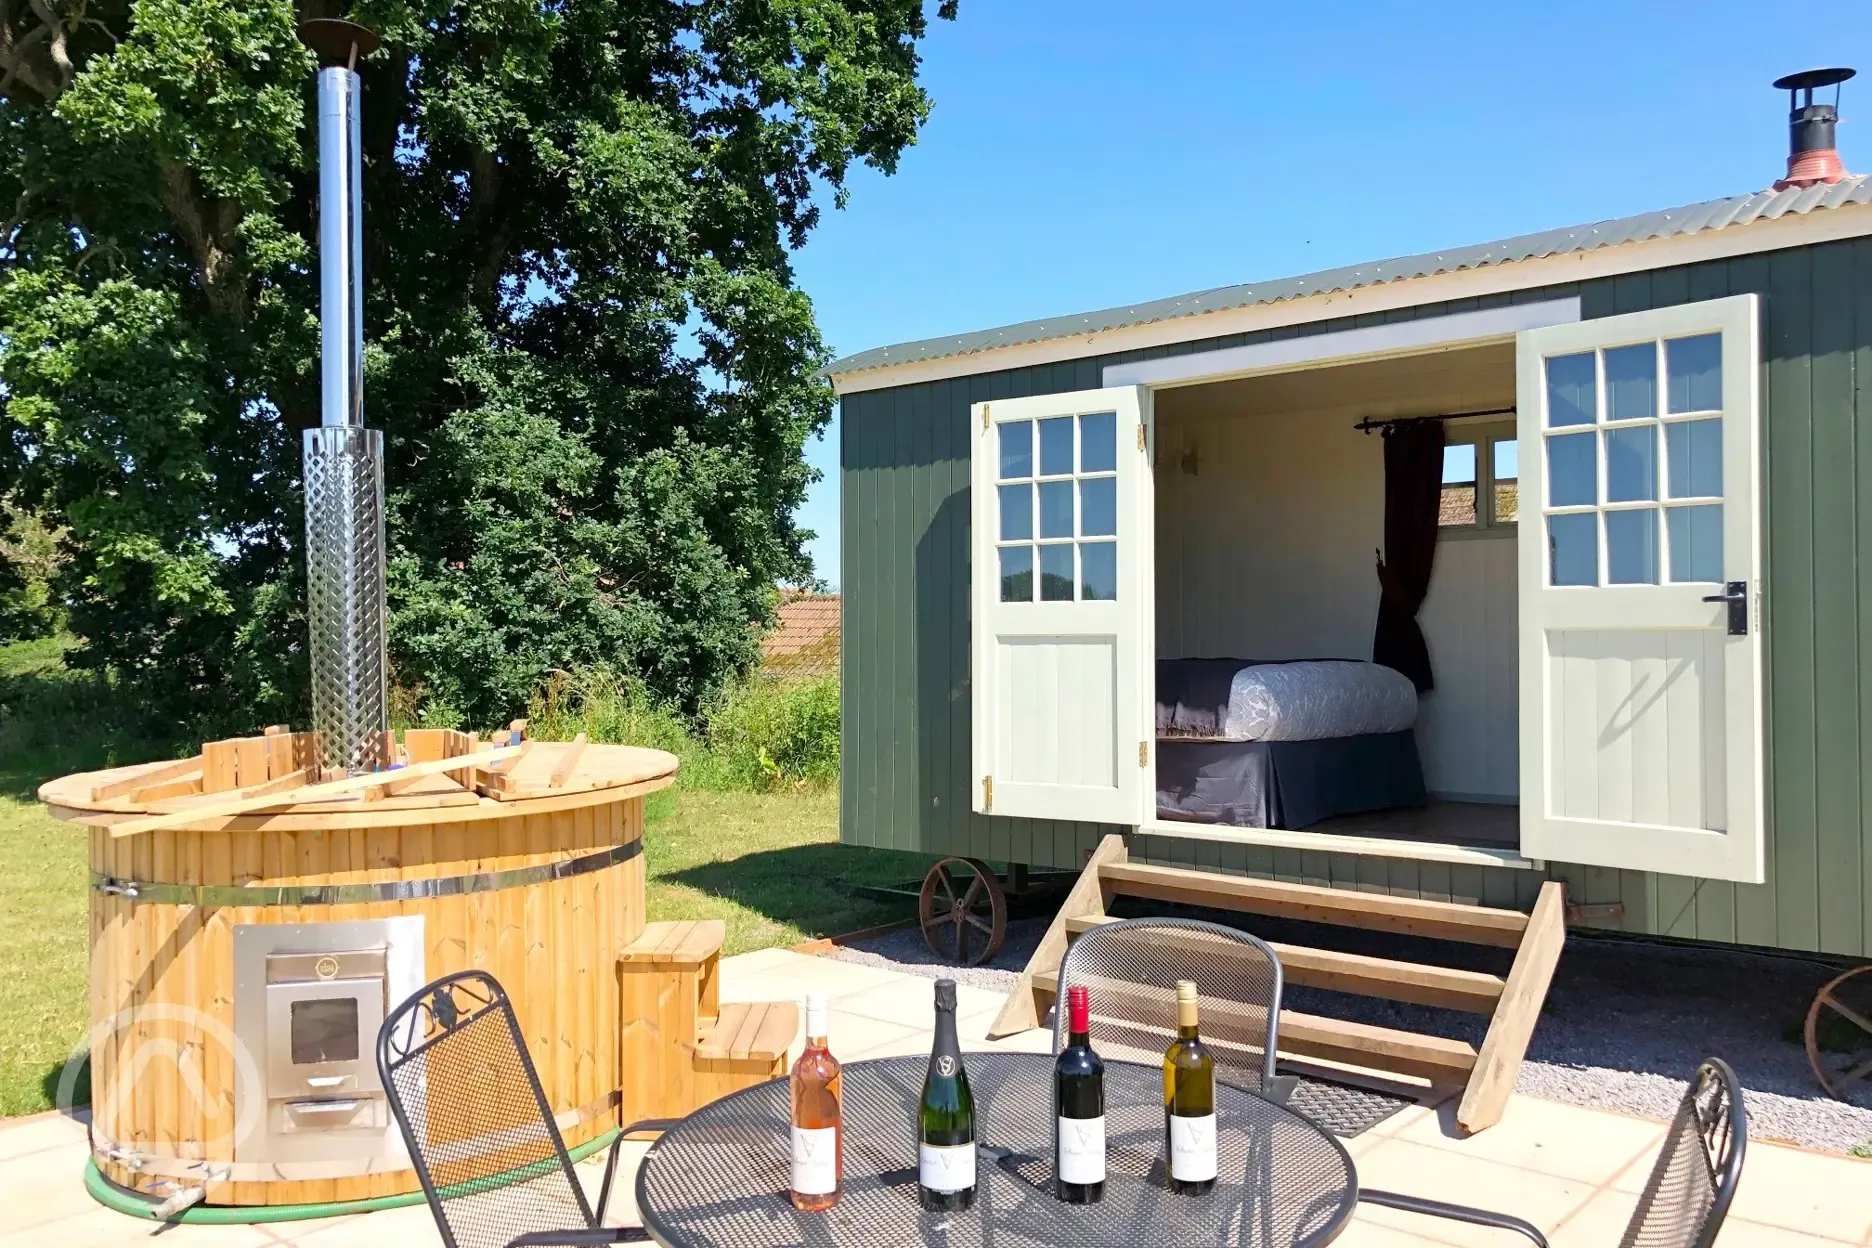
<point x="319" y="1036"/>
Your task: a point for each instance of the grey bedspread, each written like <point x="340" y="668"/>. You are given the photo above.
<point x="1303" y="700"/>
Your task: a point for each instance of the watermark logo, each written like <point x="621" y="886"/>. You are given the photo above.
<point x="160" y="1040"/>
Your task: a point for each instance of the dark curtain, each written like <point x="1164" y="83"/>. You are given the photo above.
<point x="1413" y="492"/>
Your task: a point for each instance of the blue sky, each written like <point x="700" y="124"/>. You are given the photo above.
<point x="1087" y="153"/>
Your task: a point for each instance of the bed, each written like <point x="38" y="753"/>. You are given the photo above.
<point x="1255" y="744"/>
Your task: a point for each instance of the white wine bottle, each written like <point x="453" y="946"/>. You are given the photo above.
<point x="1189" y="1102"/>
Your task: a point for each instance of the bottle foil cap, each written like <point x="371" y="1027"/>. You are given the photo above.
<point x="1079" y="1008"/>
<point x="945" y="994"/>
<point x="816" y="1015"/>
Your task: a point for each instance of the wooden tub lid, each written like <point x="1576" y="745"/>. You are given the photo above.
<point x="544" y="777"/>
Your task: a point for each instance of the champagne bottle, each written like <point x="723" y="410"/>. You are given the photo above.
<point x="1079" y="1094"/>
<point x="818" y="1117"/>
<point x="1189" y="1102"/>
<point x="946" y="1117"/>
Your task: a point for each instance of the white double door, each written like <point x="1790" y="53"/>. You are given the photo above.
<point x="1641" y="740"/>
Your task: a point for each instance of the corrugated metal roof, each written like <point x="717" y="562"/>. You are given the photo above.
<point x="1715" y="215"/>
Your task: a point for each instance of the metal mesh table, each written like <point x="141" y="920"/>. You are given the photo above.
<point x="719" y="1178"/>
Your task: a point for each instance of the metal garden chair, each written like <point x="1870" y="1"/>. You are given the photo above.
<point x="1132" y="968"/>
<point x="478" y="1126"/>
<point x="1691" y="1185"/>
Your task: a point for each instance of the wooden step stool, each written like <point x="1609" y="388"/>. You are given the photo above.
<point x="681" y="1047"/>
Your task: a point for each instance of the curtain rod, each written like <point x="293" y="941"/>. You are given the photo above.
<point x="1372" y="423"/>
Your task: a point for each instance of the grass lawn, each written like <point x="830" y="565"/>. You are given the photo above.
<point x="768" y="864"/>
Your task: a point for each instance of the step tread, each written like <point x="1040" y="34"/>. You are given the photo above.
<point x="749" y="1031"/>
<point x="1411" y="915"/>
<point x="1436" y="1058"/>
<point x="1388" y="978"/>
<point x="685" y="942"/>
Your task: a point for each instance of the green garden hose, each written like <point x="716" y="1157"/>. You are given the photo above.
<point x="137" y="1205"/>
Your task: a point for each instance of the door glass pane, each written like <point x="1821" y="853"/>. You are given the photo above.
<point x="1631" y="547"/>
<point x="1016" y="512"/>
<point x="1573" y="549"/>
<point x="1694" y="369"/>
<point x="1056" y="573"/>
<point x="1098" y="571"/>
<point x="1056" y="509"/>
<point x="1016" y="449"/>
<point x="1572" y="390"/>
<point x="1056" y="446"/>
<point x="1458" y="506"/>
<point x="1572" y="470"/>
<point x="1017" y="574"/>
<point x="1098" y="507"/>
<point x="1694" y="448"/>
<point x="1098" y="442"/>
<point x="1631" y="464"/>
<point x="1695" y="543"/>
<point x="1507" y="465"/>
<point x="1631" y="382"/>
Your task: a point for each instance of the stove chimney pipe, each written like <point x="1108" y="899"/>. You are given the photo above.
<point x="1813" y="155"/>
<point x="343" y="476"/>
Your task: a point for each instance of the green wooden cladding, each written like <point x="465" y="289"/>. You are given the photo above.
<point x="906" y="645"/>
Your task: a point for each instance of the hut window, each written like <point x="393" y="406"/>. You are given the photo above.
<point x="1058" y="499"/>
<point x="1481" y="471"/>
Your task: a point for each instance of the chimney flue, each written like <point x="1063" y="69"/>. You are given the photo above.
<point x="344" y="493"/>
<point x="1813" y="156"/>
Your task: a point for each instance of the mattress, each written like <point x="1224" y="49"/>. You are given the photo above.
<point x="1302" y="700"/>
<point x="1287" y="784"/>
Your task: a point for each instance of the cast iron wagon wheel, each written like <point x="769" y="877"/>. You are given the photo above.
<point x="964" y="916"/>
<point x="1855" y="1006"/>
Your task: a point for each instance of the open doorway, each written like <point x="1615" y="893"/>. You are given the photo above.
<point x="1270" y="512"/>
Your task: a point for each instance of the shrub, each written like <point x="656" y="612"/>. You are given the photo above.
<point x="769" y="734"/>
<point x="755" y="735"/>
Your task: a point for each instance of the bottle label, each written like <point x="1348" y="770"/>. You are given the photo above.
<point x="1192" y="1148"/>
<point x="946" y="1168"/>
<point x="815" y="1160"/>
<point x="1082" y="1149"/>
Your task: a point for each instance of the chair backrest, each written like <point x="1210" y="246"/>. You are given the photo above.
<point x="474" y="1117"/>
<point x="1688" y="1194"/>
<point x="1132" y="967"/>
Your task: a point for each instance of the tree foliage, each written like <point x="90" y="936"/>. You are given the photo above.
<point x="584" y="342"/>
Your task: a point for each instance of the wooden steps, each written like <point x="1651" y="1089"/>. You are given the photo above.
<point x="1433" y="1058"/>
<point x="1415" y="982"/>
<point x="1513" y="1001"/>
<point x="682" y="1047"/>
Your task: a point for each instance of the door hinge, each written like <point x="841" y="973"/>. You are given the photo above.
<point x="984" y="418"/>
<point x="1140" y="437"/>
<point x="987" y="792"/>
<point x="1143" y="753"/>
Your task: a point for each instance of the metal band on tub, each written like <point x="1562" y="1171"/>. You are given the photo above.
<point x="157" y="893"/>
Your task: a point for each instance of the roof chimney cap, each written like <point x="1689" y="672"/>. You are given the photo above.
<point x="1813" y="158"/>
<point x="1808" y="79"/>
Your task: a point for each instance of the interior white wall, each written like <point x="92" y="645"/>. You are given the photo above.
<point x="1270" y="510"/>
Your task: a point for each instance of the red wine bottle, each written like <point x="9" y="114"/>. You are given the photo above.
<point x="946" y="1117"/>
<point x="1079" y="1094"/>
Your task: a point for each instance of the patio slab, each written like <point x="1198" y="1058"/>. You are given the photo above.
<point x="1574" y="1172"/>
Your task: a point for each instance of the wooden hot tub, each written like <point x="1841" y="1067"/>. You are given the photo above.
<point x="238" y="962"/>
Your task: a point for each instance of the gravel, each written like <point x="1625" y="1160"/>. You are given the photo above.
<point x="1625" y="1022"/>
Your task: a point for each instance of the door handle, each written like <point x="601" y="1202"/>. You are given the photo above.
<point x="1735" y="593"/>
